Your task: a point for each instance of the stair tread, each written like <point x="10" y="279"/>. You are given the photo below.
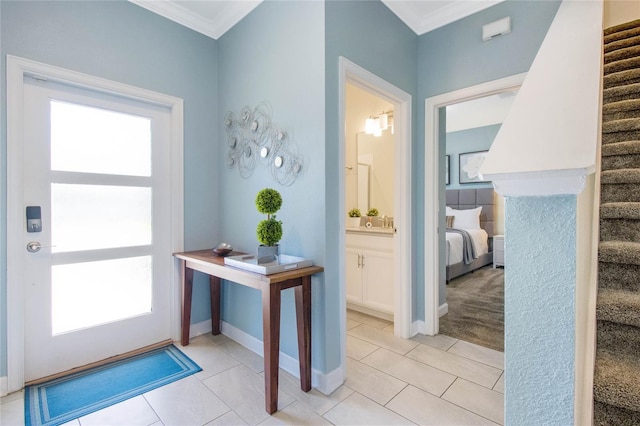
<point x="622" y="27"/>
<point x="620" y="54"/>
<point x="626" y="105"/>
<point x="621" y="65"/>
<point x="621" y="148"/>
<point x="623" y="125"/>
<point x="621" y="78"/>
<point x="619" y="252"/>
<point x="617" y="380"/>
<point x="618" y="306"/>
<point x="608" y="415"/>
<point x="620" y="210"/>
<point x="620" y="176"/>
<point x="631" y="40"/>
<point x="613" y="92"/>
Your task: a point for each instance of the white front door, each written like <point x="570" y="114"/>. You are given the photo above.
<point x="97" y="265"/>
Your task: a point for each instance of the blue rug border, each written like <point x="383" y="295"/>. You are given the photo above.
<point x="34" y="410"/>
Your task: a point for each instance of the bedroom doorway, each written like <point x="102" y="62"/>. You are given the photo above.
<point x="473" y="308"/>
<point x="437" y="167"/>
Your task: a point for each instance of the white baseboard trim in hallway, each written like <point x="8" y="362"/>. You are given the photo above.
<point x="443" y="310"/>
<point x="325" y="383"/>
<point x="4" y="381"/>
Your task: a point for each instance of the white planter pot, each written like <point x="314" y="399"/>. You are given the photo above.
<point x="353" y="222"/>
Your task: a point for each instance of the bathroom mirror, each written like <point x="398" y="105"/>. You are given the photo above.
<point x="375" y="157"/>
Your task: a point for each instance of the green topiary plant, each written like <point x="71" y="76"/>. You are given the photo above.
<point x="269" y="231"/>
<point x="372" y="212"/>
<point x="354" y="213"/>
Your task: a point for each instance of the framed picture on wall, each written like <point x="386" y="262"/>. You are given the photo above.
<point x="447" y="160"/>
<point x="470" y="163"/>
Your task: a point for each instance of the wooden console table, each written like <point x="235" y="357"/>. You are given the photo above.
<point x="270" y="285"/>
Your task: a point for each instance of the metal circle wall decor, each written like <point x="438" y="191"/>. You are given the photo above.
<point x="251" y="136"/>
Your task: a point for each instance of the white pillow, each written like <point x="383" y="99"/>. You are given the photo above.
<point x="465" y="219"/>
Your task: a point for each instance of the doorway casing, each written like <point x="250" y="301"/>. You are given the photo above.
<point x="353" y="74"/>
<point x="17" y="69"/>
<point x="432" y="185"/>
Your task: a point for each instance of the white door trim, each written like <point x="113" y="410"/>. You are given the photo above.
<point x="17" y="68"/>
<point x="432" y="185"/>
<point x="351" y="73"/>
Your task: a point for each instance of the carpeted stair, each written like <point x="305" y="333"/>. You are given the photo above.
<point x="617" y="368"/>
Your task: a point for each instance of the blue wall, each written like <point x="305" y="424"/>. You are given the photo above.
<point x="468" y="140"/>
<point x="454" y="57"/>
<point x="120" y="41"/>
<point x="540" y="298"/>
<point x="276" y="55"/>
<point x="285" y="53"/>
<point x="370" y="35"/>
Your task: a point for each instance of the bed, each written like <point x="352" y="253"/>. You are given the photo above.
<point x="463" y="202"/>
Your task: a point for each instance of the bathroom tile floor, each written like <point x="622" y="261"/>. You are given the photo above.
<point x="425" y="380"/>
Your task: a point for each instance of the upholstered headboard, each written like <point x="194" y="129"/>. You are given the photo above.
<point x="463" y="199"/>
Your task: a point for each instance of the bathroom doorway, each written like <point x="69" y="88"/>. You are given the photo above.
<point x="352" y="74"/>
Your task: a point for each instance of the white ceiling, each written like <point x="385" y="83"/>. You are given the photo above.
<point x="215" y="17"/>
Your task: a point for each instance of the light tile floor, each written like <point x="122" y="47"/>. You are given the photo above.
<point x="390" y="381"/>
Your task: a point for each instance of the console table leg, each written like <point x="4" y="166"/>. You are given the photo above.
<point x="214" y="288"/>
<point x="303" y="320"/>
<point x="187" y="290"/>
<point x="271" y="339"/>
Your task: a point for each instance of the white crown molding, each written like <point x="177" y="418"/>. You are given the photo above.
<point x="417" y="16"/>
<point x="453" y="12"/>
<point x="408" y="12"/>
<point x="230" y="15"/>
<point x="540" y="183"/>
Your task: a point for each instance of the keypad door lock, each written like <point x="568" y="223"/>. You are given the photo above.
<point x="34" y="219"/>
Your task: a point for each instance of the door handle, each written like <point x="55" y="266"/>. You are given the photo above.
<point x="35" y="246"/>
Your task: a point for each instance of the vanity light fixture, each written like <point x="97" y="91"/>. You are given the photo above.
<point x="377" y="129"/>
<point x="383" y="121"/>
<point x="369" y="125"/>
<point x="374" y="125"/>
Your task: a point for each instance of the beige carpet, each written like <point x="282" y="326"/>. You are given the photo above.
<point x="476" y="308"/>
<point x="616" y="387"/>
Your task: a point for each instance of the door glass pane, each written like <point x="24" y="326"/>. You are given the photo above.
<point x="93" y="293"/>
<point x="88" y="217"/>
<point x="93" y="140"/>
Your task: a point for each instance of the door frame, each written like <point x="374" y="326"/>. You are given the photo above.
<point x="349" y="72"/>
<point x="17" y="69"/>
<point x="432" y="187"/>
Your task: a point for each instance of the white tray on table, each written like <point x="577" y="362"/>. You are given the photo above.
<point x="283" y="263"/>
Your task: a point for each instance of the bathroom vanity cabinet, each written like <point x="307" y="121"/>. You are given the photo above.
<point x="369" y="272"/>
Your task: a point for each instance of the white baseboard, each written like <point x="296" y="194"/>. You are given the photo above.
<point x="370" y="311"/>
<point x="443" y="310"/>
<point x="200" y="328"/>
<point x="325" y="383"/>
<point x="4" y="385"/>
<point x="418" y="327"/>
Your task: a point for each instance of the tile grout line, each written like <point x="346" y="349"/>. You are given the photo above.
<point x="481" y="362"/>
